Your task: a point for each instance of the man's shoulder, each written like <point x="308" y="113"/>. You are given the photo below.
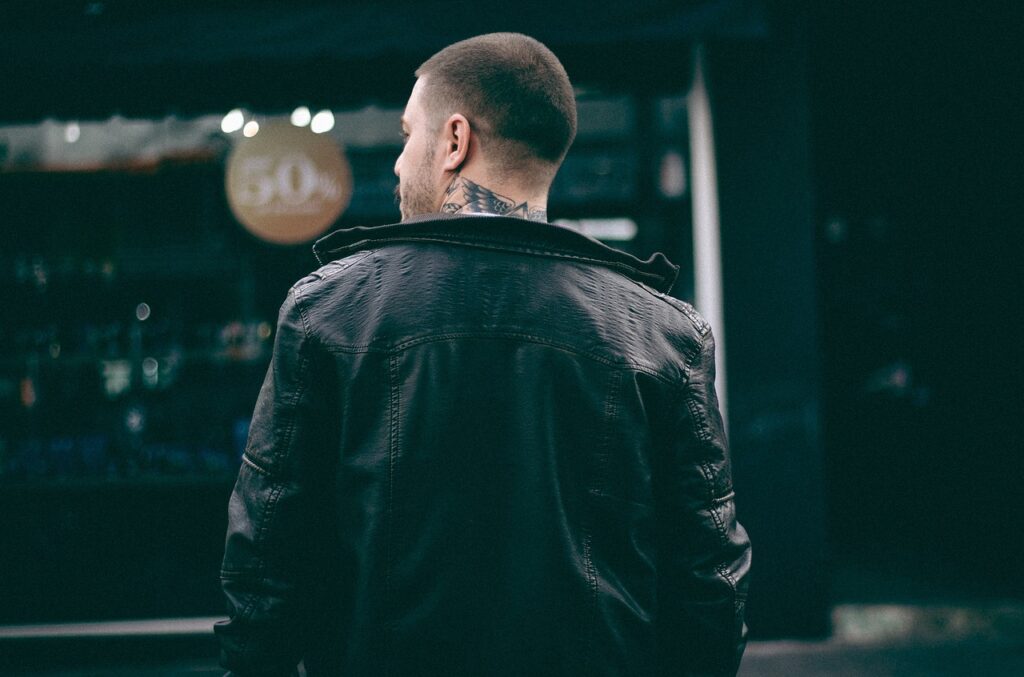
<point x="319" y="279"/>
<point x="686" y="316"/>
<point x="691" y="315"/>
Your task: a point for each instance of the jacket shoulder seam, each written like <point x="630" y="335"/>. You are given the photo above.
<point x="319" y="276"/>
<point x="330" y="269"/>
<point x="685" y="308"/>
<point x="533" y="338"/>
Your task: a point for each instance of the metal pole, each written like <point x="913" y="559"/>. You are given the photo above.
<point x="707" y="251"/>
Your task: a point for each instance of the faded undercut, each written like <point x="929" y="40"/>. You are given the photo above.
<point x="513" y="90"/>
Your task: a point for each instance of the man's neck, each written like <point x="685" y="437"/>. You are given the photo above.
<point x="468" y="197"/>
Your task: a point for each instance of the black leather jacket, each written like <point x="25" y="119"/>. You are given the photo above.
<point x="485" y="446"/>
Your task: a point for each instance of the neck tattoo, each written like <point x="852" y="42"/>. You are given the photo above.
<point x="466" y="197"/>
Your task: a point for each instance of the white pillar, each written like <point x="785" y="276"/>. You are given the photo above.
<point x="707" y="250"/>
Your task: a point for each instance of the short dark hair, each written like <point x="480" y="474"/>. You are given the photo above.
<point x="514" y="91"/>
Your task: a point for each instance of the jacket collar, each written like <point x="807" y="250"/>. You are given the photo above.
<point x="500" y="232"/>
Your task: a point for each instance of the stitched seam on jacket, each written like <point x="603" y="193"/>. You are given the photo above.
<point x="286" y="440"/>
<point x="302" y="315"/>
<point x="696" y="414"/>
<point x="278" y="488"/>
<point x="724" y="572"/>
<point x="299" y="287"/>
<point x="338" y="266"/>
<point x="408" y="343"/>
<point x="532" y="338"/>
<point x="700" y="429"/>
<point x="268" y="515"/>
<point x="393" y="444"/>
<point x="692" y="357"/>
<point x="685" y="308"/>
<point x="709" y="481"/>
<point x="723" y="535"/>
<point x="610" y="410"/>
<point x="699" y="423"/>
<point x="588" y="565"/>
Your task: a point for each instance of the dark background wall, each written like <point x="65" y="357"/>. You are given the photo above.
<point x="760" y="103"/>
<point x="915" y="130"/>
<point x="871" y="229"/>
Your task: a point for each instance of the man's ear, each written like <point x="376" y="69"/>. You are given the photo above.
<point x="457" y="137"/>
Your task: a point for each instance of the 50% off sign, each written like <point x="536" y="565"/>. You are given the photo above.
<point x="287" y="185"/>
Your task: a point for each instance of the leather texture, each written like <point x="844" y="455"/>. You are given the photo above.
<point x="485" y="446"/>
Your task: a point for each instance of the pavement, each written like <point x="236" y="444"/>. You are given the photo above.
<point x="868" y="640"/>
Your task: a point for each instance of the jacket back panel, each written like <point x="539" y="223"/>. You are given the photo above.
<point x="499" y="415"/>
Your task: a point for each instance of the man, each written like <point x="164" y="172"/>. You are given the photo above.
<point x="486" y="445"/>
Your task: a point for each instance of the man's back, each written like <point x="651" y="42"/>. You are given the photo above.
<point x="511" y="448"/>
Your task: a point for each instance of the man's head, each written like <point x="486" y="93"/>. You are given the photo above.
<point x="499" y="105"/>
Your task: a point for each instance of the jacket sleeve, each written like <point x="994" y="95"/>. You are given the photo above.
<point x="703" y="552"/>
<point x="270" y="550"/>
